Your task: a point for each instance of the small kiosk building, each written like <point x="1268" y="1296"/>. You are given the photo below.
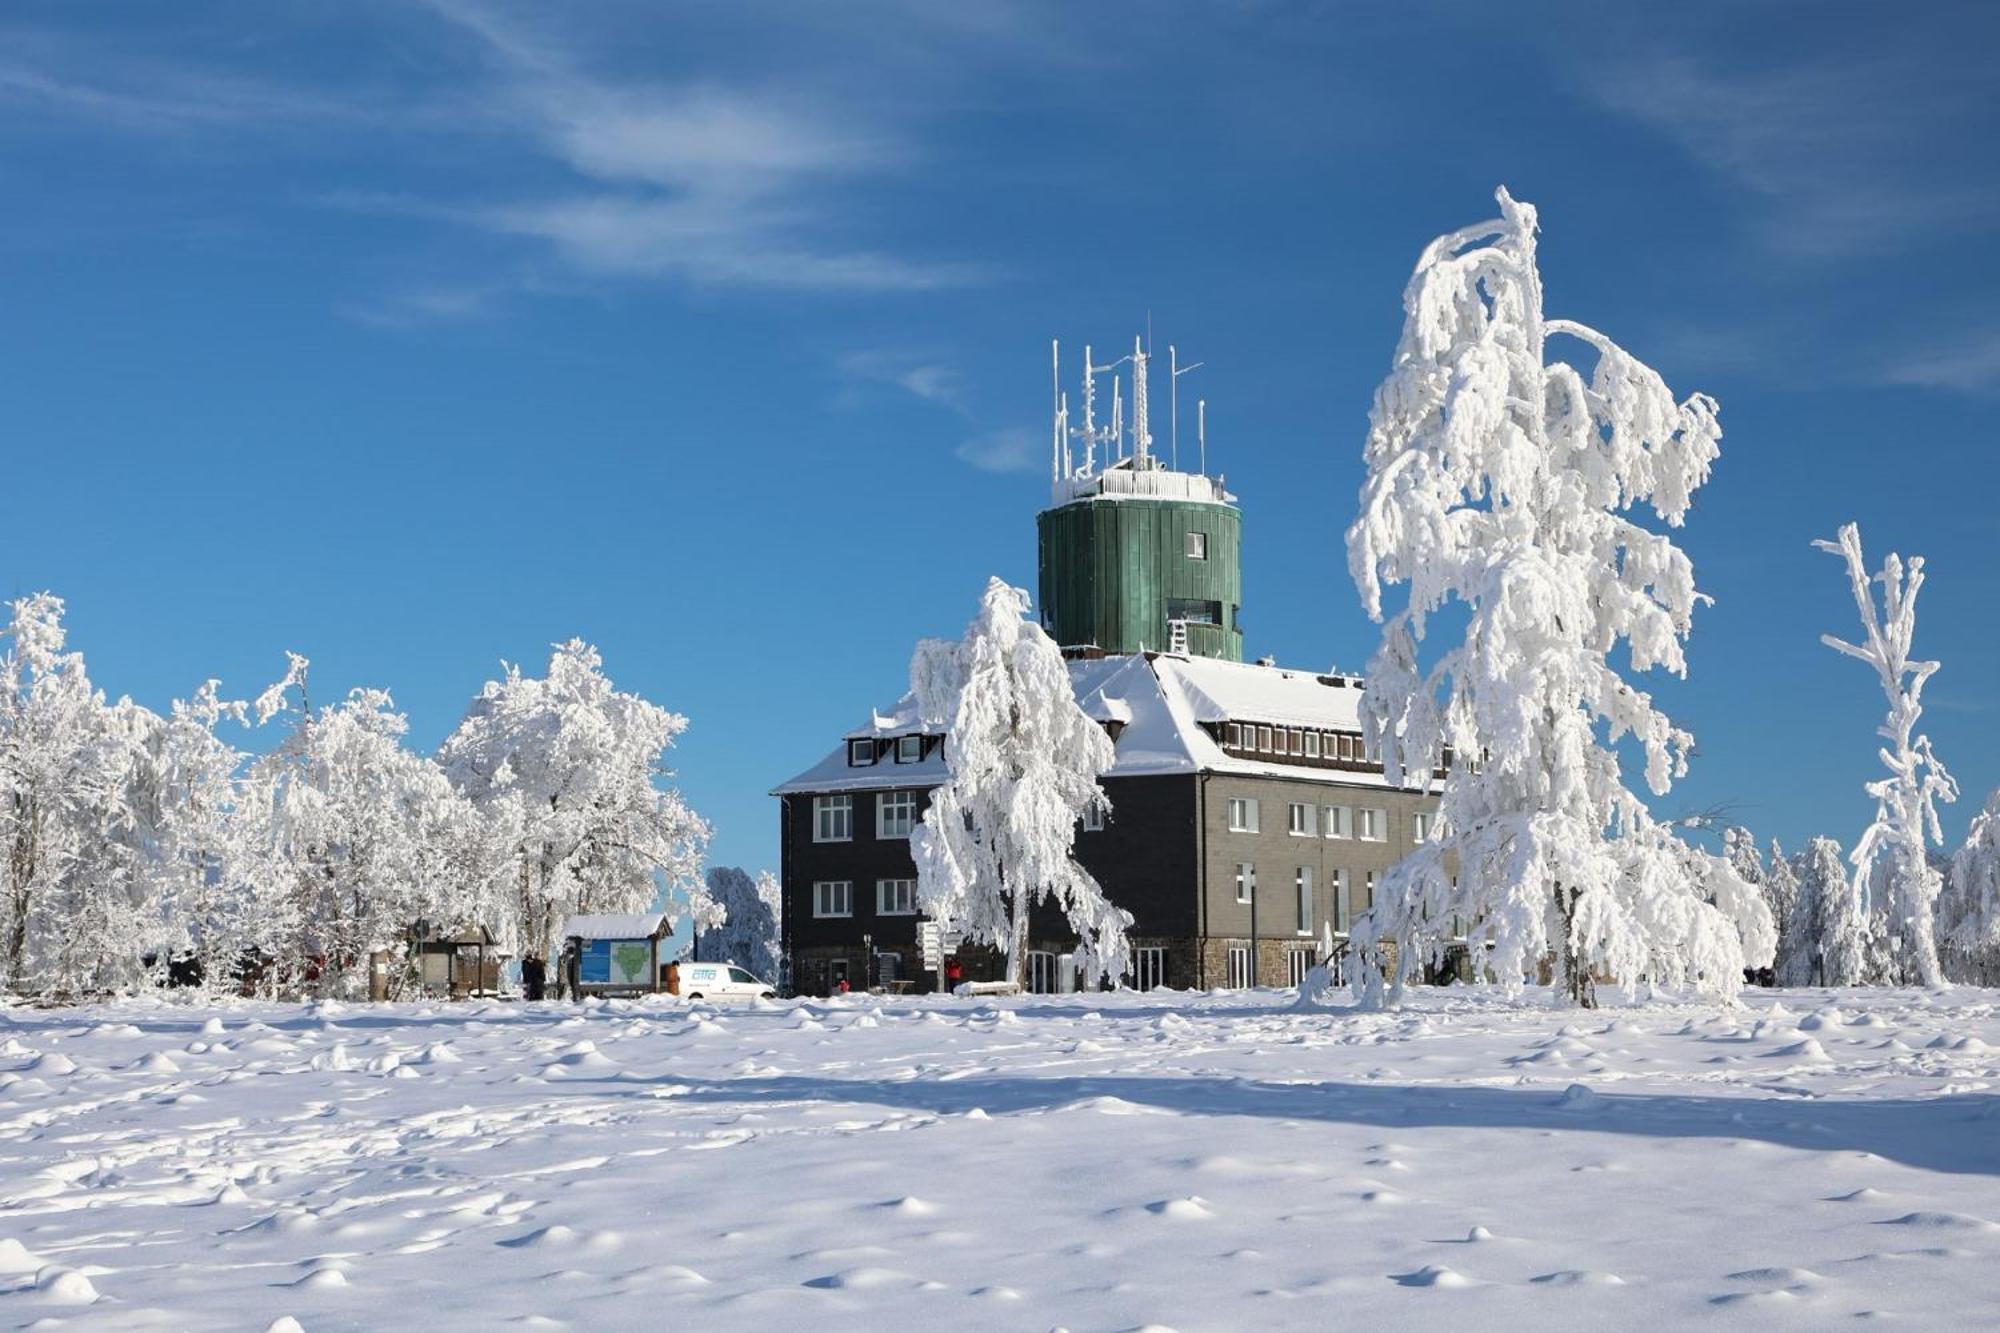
<point x="613" y="954"/>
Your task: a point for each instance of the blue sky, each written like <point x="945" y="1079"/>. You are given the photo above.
<point x="415" y="337"/>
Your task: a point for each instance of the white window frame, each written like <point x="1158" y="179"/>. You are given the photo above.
<point x="1368" y="889"/>
<point x="906" y="803"/>
<point x="833" y="897"/>
<point x="1196" y="546"/>
<point x="1342" y="908"/>
<point x="1149" y="968"/>
<point x="833" y="812"/>
<point x="1093" y="818"/>
<point x="857" y="749"/>
<point x="1300" y="820"/>
<point x="1337" y="820"/>
<point x="1239" y="975"/>
<point x="1312" y="745"/>
<point x="1264" y="739"/>
<point x="1421" y="824"/>
<point x="1299" y="962"/>
<point x="1244" y="815"/>
<point x="1302" y="886"/>
<point x="1246" y="881"/>
<point x="909" y="749"/>
<point x="890" y="892"/>
<point x="1371" y="824"/>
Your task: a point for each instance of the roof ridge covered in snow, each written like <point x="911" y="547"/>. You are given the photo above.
<point x="1161" y="707"/>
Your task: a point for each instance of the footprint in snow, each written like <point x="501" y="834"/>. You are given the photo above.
<point x="861" y="1279"/>
<point x="1939" y="1221"/>
<point x="1192" y="1208"/>
<point x="1579" y="1277"/>
<point x="910" y="1205"/>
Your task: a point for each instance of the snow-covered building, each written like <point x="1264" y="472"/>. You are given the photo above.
<point x="1245" y="822"/>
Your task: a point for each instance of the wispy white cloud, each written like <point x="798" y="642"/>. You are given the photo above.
<point x="1009" y="449"/>
<point x="731" y="185"/>
<point x="158" y="100"/>
<point x="1968" y="366"/>
<point x="425" y="304"/>
<point x="921" y="377"/>
<point x="737" y="178"/>
<point x="1845" y="158"/>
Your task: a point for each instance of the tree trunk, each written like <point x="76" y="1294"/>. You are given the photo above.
<point x="1572" y="973"/>
<point x="1017" y="941"/>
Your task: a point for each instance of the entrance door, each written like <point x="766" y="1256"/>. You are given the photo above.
<point x="1041" y="972"/>
<point x="836" y="972"/>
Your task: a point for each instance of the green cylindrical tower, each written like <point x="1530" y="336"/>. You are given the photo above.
<point x="1141" y="557"/>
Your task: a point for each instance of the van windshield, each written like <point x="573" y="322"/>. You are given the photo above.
<point x="738" y="974"/>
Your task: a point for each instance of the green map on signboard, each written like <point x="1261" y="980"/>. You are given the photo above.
<point x="628" y="963"/>
<point x="616" y="963"/>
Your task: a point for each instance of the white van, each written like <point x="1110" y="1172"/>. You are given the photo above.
<point x="722" y="981"/>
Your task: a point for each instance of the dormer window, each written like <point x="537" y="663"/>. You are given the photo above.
<point x="909" y="749"/>
<point x="860" y="754"/>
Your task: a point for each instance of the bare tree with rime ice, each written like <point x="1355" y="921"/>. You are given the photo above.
<point x="1892" y="865"/>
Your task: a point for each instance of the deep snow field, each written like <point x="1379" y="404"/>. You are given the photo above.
<point x="1218" y="1161"/>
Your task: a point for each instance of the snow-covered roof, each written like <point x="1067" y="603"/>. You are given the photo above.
<point x="1218" y="691"/>
<point x="1163" y="704"/>
<point x="616" y="926"/>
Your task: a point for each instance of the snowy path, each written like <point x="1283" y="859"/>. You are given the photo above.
<point x="1195" y="1162"/>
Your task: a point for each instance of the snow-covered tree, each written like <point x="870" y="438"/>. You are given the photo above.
<point x="1893" y="856"/>
<point x="1502" y="481"/>
<point x="1837" y="941"/>
<point x="185" y="800"/>
<point x="566" y="766"/>
<point x="1781" y="894"/>
<point x="1969" y="911"/>
<point x="71" y="881"/>
<point x="1775" y="882"/>
<point x="748" y="934"/>
<point x="361" y="841"/>
<point x="1023" y="763"/>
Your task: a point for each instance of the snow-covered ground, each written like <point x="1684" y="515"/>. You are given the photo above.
<point x="1104" y="1162"/>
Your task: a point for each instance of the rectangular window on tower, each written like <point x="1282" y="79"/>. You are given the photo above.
<point x="1194" y="610"/>
<point x="1197" y="546"/>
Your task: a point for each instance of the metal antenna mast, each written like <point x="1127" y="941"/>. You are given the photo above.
<point x="1174" y="372"/>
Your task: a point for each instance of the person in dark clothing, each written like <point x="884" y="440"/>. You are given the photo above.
<point x="534" y="976"/>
